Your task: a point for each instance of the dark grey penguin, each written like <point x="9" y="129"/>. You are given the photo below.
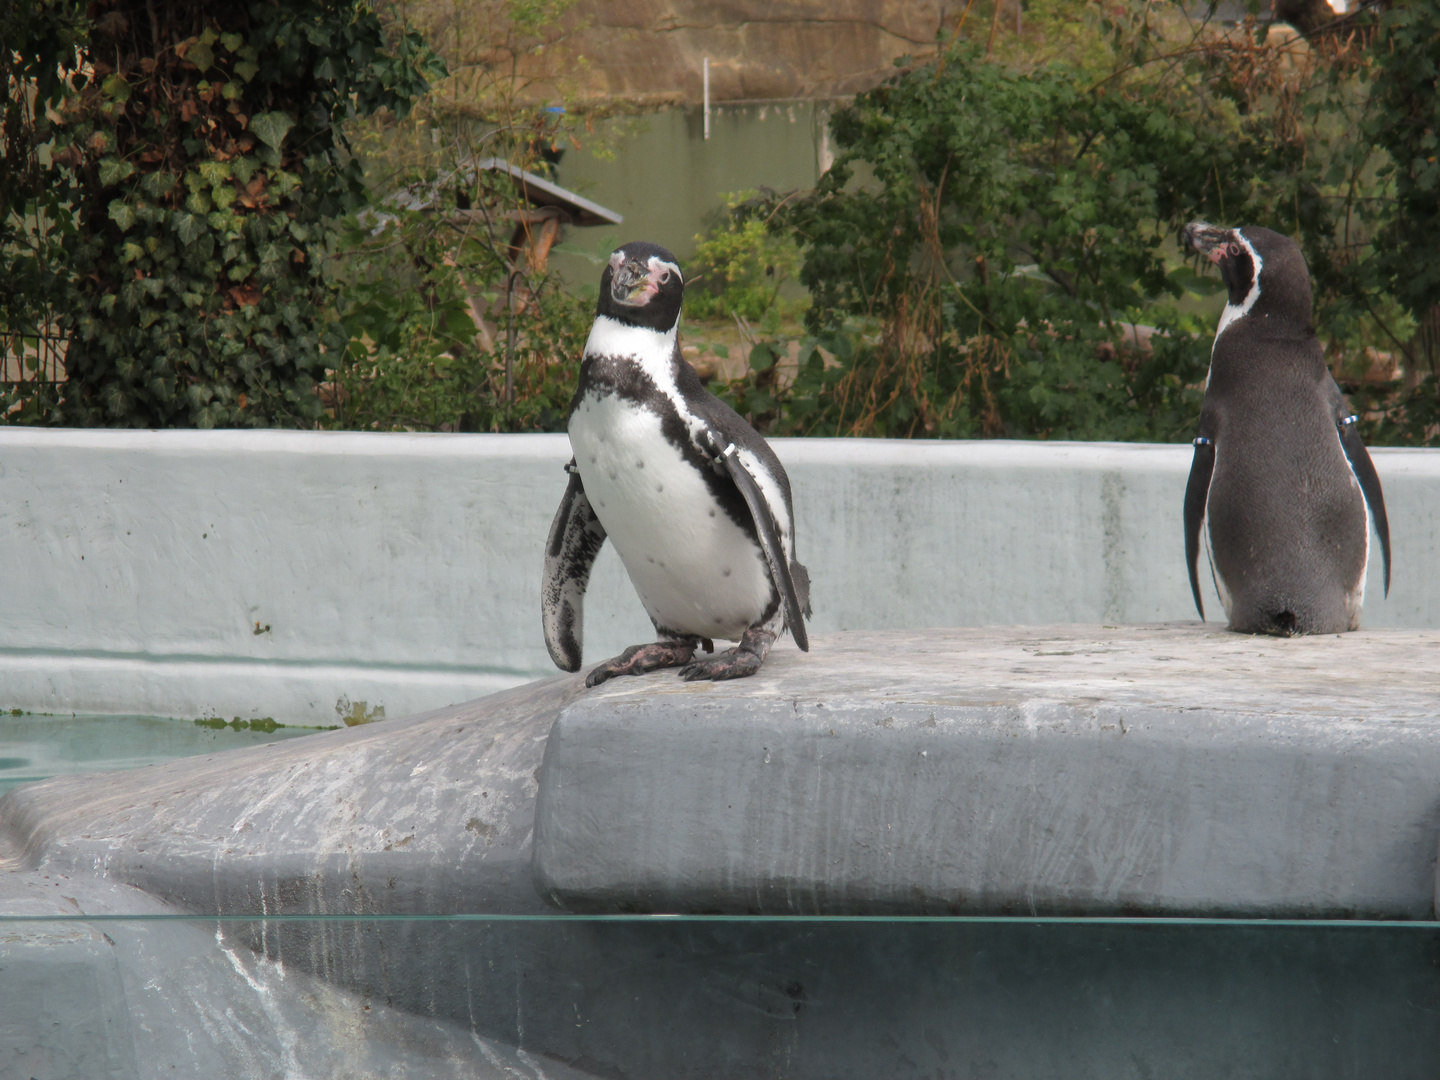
<point x="1280" y="476"/>
<point x="695" y="501"/>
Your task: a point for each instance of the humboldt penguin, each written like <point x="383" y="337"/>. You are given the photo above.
<point x="1280" y="482"/>
<point x="694" y="500"/>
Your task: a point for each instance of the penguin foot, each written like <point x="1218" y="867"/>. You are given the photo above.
<point x="745" y="659"/>
<point x="639" y="659"/>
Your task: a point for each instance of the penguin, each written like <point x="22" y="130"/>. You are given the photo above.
<point x="694" y="500"/>
<point x="1280" y="483"/>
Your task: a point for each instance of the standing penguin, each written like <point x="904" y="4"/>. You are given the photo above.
<point x="1279" y="474"/>
<point x="696" y="503"/>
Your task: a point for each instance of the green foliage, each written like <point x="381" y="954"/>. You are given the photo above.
<point x="984" y="243"/>
<point x="35" y="225"/>
<point x="740" y="266"/>
<point x="454" y="323"/>
<point x="195" y="165"/>
<point x="1404" y="120"/>
<point x="996" y="240"/>
<point x="433" y="316"/>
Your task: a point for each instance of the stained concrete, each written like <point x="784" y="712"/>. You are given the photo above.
<point x="1097" y="770"/>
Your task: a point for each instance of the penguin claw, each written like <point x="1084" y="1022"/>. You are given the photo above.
<point x="640" y="659"/>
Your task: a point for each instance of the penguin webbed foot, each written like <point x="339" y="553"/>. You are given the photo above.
<point x="641" y="659"/>
<point x="745" y="659"/>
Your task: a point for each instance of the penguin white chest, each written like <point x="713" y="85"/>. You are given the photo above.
<point x="696" y="570"/>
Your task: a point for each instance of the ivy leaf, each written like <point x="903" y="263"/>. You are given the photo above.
<point x="201" y="56"/>
<point x="244" y="168"/>
<point x="271" y="128"/>
<point x="113" y="170"/>
<point x="247" y="69"/>
<point x="187" y="226"/>
<point x="231" y="42"/>
<point x="121" y="214"/>
<point x="116" y="88"/>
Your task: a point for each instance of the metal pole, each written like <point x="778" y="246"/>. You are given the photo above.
<point x="707" y="97"/>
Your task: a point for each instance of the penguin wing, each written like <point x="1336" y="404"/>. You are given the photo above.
<point x="769" y="536"/>
<point x="1197" y="493"/>
<point x="1364" y="470"/>
<point x="576" y="537"/>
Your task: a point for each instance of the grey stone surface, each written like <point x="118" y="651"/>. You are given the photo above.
<point x="1160" y="770"/>
<point x="428" y="814"/>
<point x="1097" y="769"/>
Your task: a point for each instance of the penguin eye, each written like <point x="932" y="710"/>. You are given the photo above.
<point x="1233" y="249"/>
<point x="665" y="278"/>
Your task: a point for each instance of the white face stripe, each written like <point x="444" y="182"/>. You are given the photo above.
<point x="657" y="262"/>
<point x="1234" y="311"/>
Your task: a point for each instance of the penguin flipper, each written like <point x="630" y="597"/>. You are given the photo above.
<point x="774" y="550"/>
<point x="576" y="537"/>
<point x="1364" y="470"/>
<point x="1197" y="492"/>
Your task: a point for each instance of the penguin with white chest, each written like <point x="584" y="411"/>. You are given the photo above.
<point x="694" y="500"/>
<point x="1280" y="483"/>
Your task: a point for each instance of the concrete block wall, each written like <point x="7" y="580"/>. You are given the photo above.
<point x="306" y="575"/>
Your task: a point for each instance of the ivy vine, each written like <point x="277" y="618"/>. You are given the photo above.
<point x="196" y="161"/>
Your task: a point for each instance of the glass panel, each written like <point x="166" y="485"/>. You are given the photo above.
<point x="657" y="996"/>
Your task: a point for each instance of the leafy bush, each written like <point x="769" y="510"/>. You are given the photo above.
<point x="985" y="242"/>
<point x="993" y="251"/>
<point x="195" y="162"/>
<point x="431" y="325"/>
<point x="740" y="267"/>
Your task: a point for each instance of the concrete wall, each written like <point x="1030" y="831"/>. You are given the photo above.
<point x="297" y="575"/>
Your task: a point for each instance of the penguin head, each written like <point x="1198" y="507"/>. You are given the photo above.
<point x="642" y="285"/>
<point x="1264" y="271"/>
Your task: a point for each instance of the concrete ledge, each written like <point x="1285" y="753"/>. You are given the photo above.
<point x="1145" y="770"/>
<point x="1162" y="770"/>
<point x="430" y="814"/>
<point x="279" y="574"/>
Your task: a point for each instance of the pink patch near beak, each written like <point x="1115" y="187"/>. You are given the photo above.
<point x="1217" y="254"/>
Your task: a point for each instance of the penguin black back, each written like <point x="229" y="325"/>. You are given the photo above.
<point x="1280" y="483"/>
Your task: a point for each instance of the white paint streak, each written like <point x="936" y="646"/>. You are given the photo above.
<point x="285" y="1032"/>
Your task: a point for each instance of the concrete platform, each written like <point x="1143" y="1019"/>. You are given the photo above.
<point x="1099" y="771"/>
<point x="1160" y="770"/>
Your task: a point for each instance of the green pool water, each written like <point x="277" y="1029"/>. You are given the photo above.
<point x="34" y="747"/>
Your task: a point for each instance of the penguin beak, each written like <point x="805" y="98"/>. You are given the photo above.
<point x="1207" y="239"/>
<point x="632" y="284"/>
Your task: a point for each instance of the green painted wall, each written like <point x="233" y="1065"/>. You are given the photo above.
<point x="665" y="177"/>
